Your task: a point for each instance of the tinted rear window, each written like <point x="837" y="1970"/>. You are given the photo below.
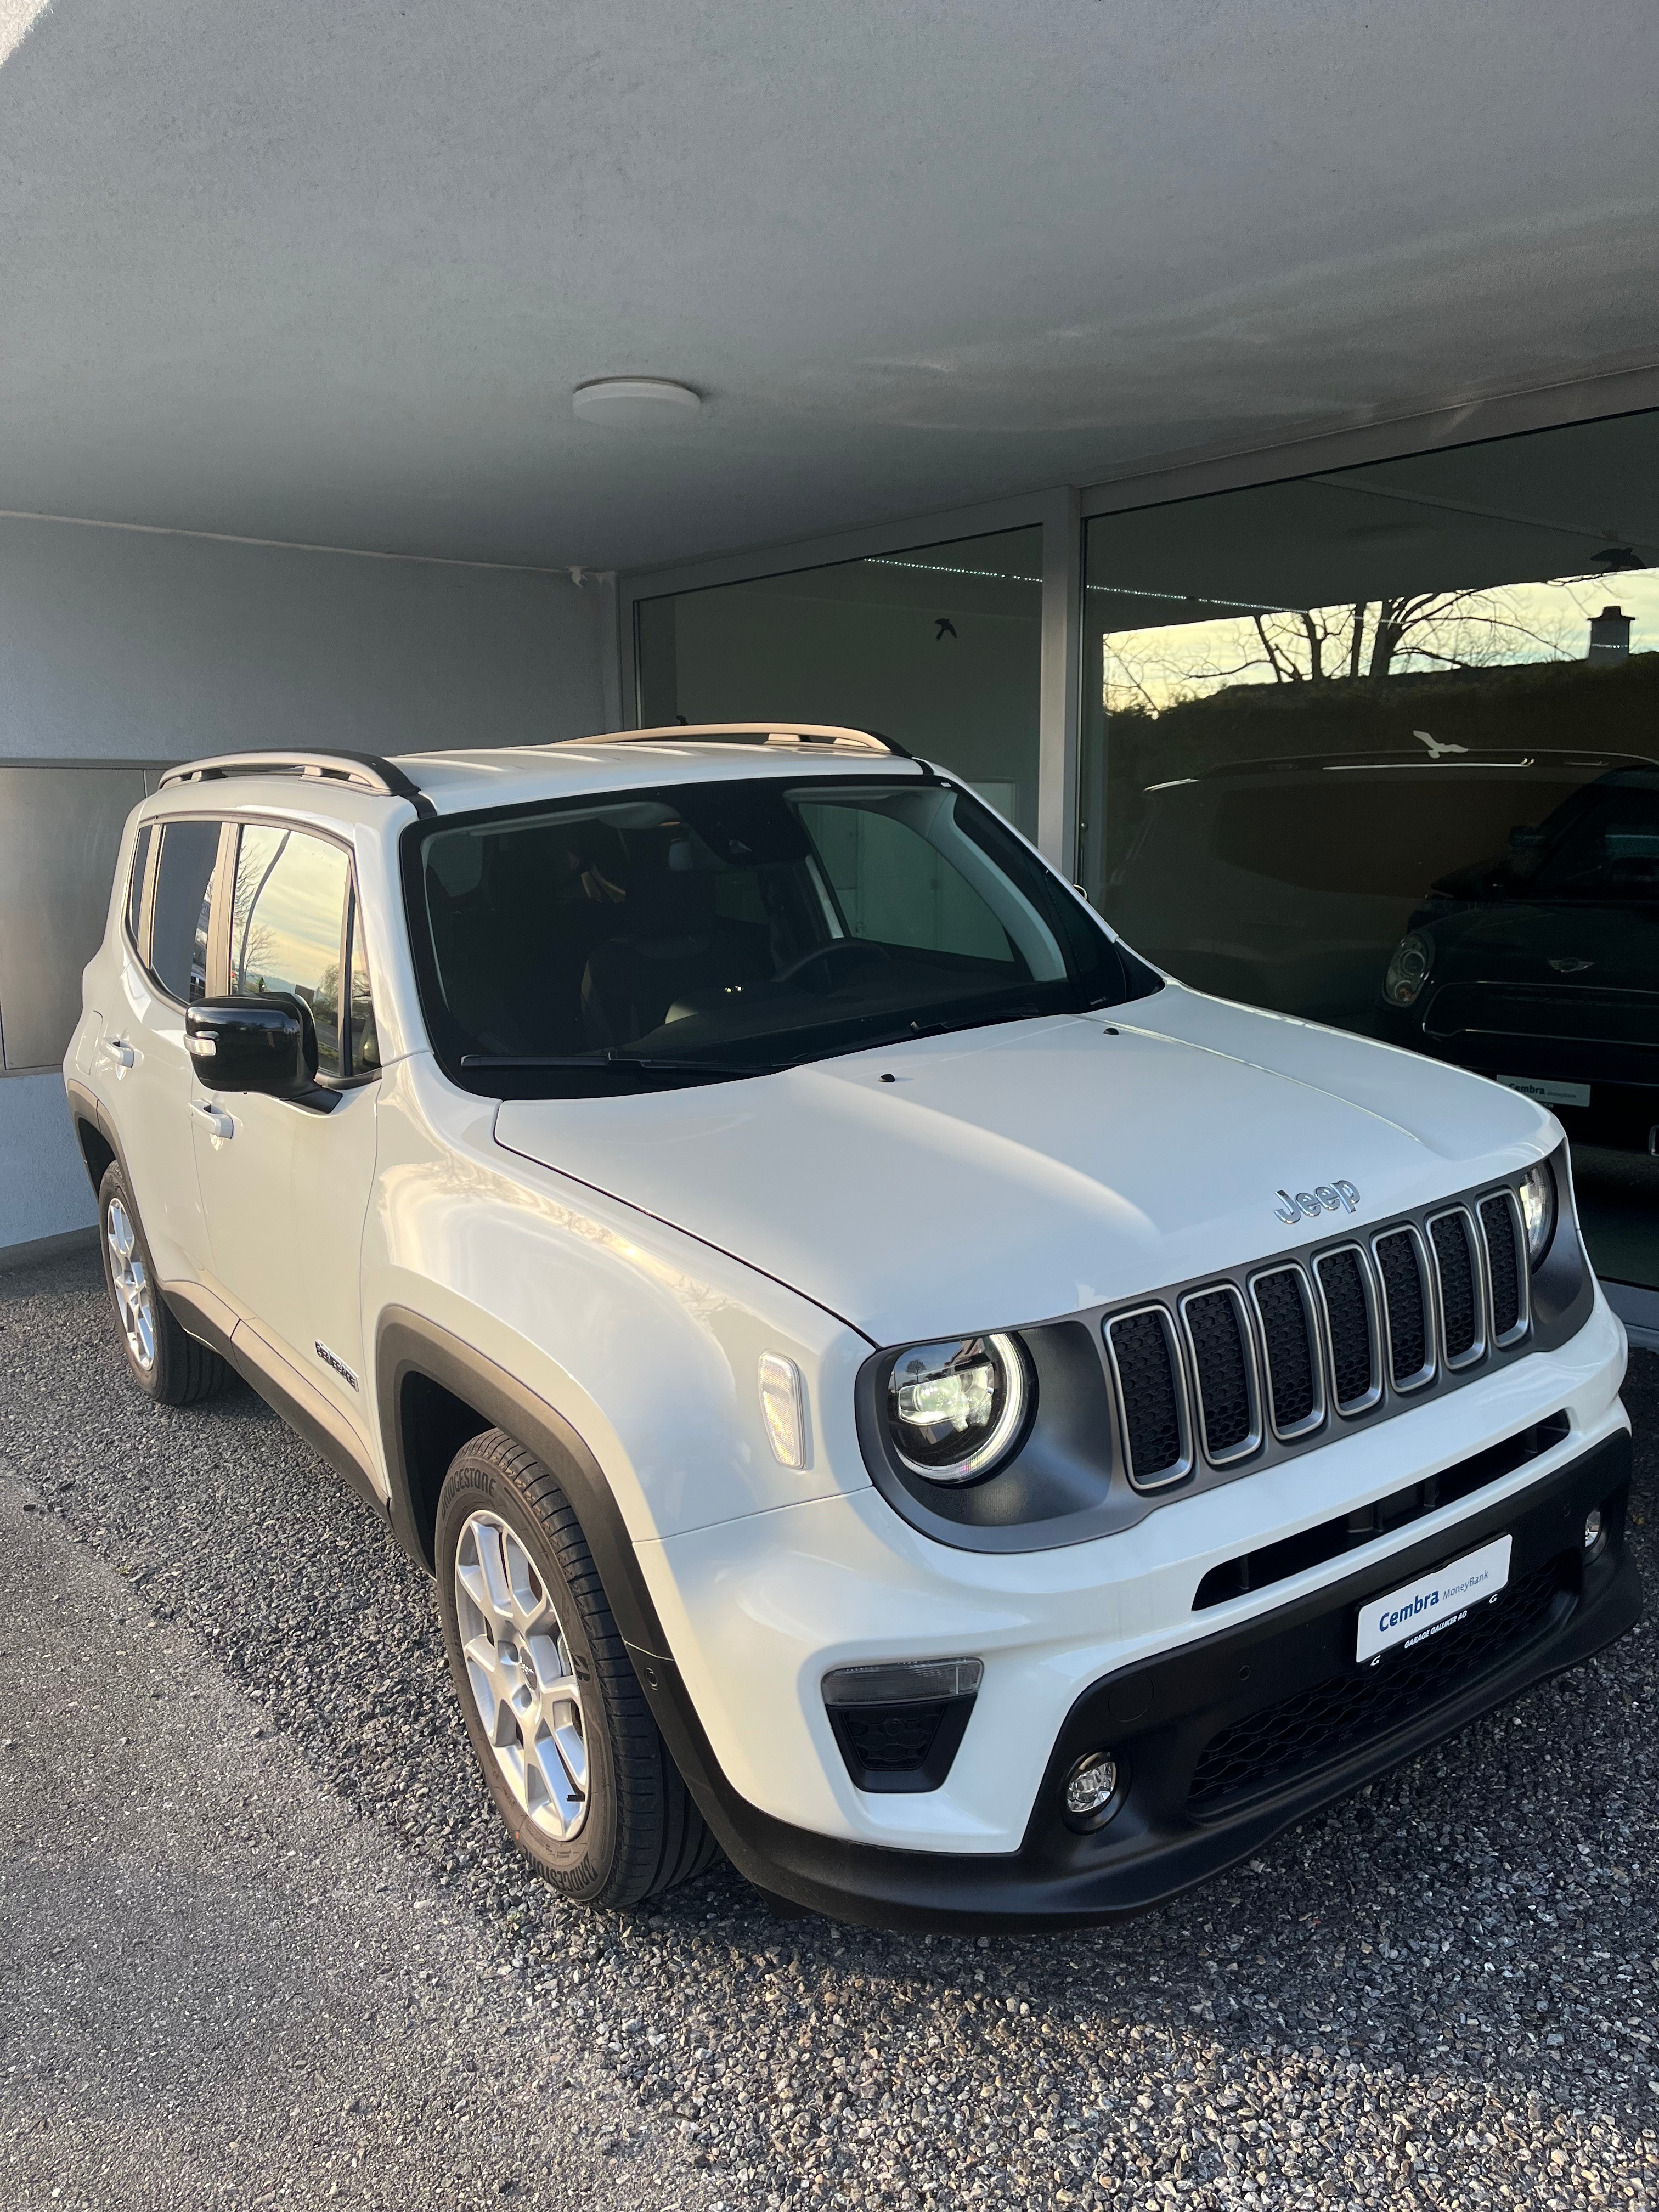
<point x="183" y="899"/>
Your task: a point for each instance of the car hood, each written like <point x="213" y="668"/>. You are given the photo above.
<point x="1009" y="1174"/>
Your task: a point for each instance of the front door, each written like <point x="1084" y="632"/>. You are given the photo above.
<point x="285" y="1187"/>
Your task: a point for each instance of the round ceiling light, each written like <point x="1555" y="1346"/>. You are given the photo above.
<point x="636" y="403"/>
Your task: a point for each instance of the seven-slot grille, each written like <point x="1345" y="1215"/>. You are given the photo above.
<point x="1152" y="1391"/>
<point x="1506" y="1274"/>
<point x="1350" y="1331"/>
<point x="1337" y="1335"/>
<point x="1289" y="1345"/>
<point x="1405" y="1308"/>
<point x="1224" y="1369"/>
<point x="1458" y="1275"/>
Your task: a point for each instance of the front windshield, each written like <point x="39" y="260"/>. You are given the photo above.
<point x="1600" y="846"/>
<point x="715" y="929"/>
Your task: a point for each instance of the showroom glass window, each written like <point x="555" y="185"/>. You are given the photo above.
<point x="939" y="646"/>
<point x="1381" y="747"/>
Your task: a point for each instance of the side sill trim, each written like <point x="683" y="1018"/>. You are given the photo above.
<point x="286" y="1391"/>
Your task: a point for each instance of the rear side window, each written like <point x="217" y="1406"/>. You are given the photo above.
<point x="183" y="905"/>
<point x="136" y="882"/>
<point x="287" y="927"/>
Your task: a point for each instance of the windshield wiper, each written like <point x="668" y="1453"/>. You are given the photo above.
<point x="644" y="1064"/>
<point x="913" y="1029"/>
<point x="513" y="1063"/>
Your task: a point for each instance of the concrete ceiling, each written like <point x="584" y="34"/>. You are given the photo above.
<point x="329" y="274"/>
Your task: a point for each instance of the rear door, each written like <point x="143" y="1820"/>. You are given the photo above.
<point x="151" y="1096"/>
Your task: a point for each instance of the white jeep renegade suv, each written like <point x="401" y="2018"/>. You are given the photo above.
<point x="885" y="1380"/>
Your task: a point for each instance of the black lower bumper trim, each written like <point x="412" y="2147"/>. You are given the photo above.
<point x="1181" y="1820"/>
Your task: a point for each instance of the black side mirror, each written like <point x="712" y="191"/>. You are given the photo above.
<point x="263" y="1044"/>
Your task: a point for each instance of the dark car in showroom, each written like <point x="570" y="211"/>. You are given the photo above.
<point x="1540" y="968"/>
<point x="1286" y="881"/>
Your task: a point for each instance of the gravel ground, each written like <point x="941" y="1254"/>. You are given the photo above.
<point x="1441" y="1993"/>
<point x="216" y="1987"/>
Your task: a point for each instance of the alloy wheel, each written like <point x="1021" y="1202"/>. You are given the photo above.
<point x="129" y="1281"/>
<point x="523" y="1682"/>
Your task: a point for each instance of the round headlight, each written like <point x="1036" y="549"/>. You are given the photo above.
<point x="1537" y="1196"/>
<point x="1408" y="970"/>
<point x="955" y="1410"/>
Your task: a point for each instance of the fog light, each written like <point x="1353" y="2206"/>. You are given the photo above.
<point x="1091" y="1790"/>
<point x="1596" y="1533"/>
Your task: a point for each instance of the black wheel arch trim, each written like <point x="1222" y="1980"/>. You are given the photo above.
<point x="409" y="1348"/>
<point x="87" y="1112"/>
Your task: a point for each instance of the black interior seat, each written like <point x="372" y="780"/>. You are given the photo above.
<point x="514" y="947"/>
<point x="668" y="943"/>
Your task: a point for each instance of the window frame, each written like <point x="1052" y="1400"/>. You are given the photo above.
<point x="158" y="824"/>
<point x="350" y="907"/>
<point x="224" y="873"/>
<point x="349" y="940"/>
<point x="134" y="915"/>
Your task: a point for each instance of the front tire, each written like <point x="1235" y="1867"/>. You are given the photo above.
<point x="557" y="1721"/>
<point x="167" y="1366"/>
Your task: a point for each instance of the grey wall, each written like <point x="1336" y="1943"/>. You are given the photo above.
<point x="128" y="646"/>
<point x="142" y="645"/>
<point x="43" y="1190"/>
<point x="60" y="828"/>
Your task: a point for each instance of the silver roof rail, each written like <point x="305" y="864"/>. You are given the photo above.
<point x="357" y="771"/>
<point x="748" y="734"/>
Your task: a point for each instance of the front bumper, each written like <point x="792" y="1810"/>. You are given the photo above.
<point x="1227" y="1740"/>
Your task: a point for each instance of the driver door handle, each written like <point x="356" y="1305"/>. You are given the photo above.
<point x="219" y="1123"/>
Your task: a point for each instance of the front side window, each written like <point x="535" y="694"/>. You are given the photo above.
<point x="287" y="926"/>
<point x="183" y="907"/>
<point x="728" y="928"/>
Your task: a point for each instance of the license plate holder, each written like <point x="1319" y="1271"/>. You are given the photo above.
<point x="1433" y="1603"/>
<point x="1545" y="1090"/>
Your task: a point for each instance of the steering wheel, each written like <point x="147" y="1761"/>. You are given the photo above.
<point x="851" y="951"/>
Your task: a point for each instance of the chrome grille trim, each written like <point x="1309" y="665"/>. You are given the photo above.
<point x="1265" y="1310"/>
<point x="1287" y="1432"/>
<point x="1179" y="1469"/>
<point x="1511" y="1205"/>
<point x="1350" y="1409"/>
<point x="1251" y="1443"/>
<point x="1473" y="1244"/>
<point x="1426" y="1373"/>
